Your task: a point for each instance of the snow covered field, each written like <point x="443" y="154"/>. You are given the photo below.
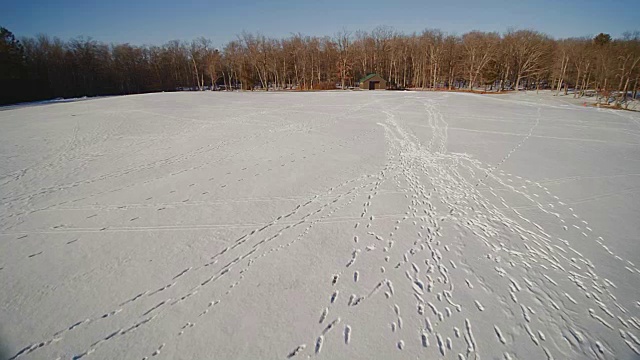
<point x="360" y="225"/>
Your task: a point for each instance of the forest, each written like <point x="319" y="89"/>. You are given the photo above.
<point x="42" y="67"/>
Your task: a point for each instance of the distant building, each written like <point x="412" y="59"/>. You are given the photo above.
<point x="373" y="82"/>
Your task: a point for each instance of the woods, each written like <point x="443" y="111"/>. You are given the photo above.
<point x="42" y="67"/>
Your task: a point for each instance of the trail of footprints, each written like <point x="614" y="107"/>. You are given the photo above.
<point x="353" y="300"/>
<point x="152" y="312"/>
<point x="351" y="194"/>
<point x="539" y="269"/>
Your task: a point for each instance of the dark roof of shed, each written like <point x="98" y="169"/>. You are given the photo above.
<point x="369" y="77"/>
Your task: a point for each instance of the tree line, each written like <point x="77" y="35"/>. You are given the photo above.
<point x="43" y="67"/>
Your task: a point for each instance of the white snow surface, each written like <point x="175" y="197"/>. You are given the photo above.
<point x="357" y="225"/>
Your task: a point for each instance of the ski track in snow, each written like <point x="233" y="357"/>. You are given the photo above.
<point x="413" y="249"/>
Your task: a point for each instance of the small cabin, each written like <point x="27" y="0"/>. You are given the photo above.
<point x="373" y="82"/>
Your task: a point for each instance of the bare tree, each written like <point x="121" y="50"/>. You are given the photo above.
<point x="343" y="42"/>
<point x="197" y="52"/>
<point x="528" y="49"/>
<point x="480" y="49"/>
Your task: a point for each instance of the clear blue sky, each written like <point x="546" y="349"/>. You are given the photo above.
<point x="157" y="21"/>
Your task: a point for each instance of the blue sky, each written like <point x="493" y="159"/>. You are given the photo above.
<point x="158" y="21"/>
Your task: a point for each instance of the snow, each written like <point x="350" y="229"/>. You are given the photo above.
<point x="342" y="225"/>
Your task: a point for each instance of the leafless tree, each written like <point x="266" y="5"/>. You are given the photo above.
<point x="343" y="43"/>
<point x="479" y="49"/>
<point x="528" y="49"/>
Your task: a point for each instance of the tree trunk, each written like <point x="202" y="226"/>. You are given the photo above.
<point x="624" y="93"/>
<point x="563" y="66"/>
<point x="224" y="79"/>
<point x="575" y="88"/>
<point x="586" y="84"/>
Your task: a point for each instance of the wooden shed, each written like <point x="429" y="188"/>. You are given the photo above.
<point x="373" y="82"/>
